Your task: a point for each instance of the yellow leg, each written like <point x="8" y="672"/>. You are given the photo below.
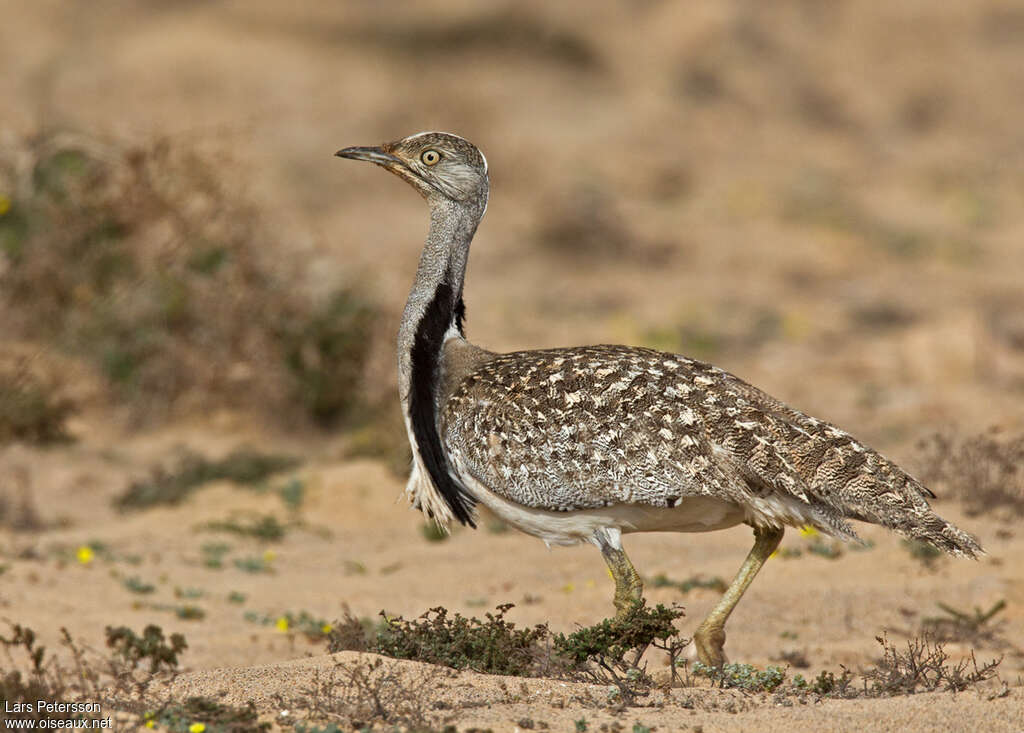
<point x="629" y="589"/>
<point x="709" y="638"/>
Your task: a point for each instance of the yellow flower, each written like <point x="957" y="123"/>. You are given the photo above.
<point x="85" y="554"/>
<point x="808" y="531"/>
<point x="197" y="728"/>
<point x="269" y="556"/>
<point x="773" y="554"/>
<point x="281" y="623"/>
<point x="569" y="587"/>
<point x="150" y="724"/>
<point x="326" y="629"/>
<point x="5" y="204"/>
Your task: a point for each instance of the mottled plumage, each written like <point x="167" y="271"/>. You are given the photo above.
<point x="589" y="443"/>
<point x="579" y="428"/>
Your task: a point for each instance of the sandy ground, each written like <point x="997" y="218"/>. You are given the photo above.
<point x="491" y="702"/>
<point x="353" y="548"/>
<point x="832" y="194"/>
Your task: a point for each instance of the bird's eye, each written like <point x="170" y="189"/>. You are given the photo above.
<point x="430" y="157"/>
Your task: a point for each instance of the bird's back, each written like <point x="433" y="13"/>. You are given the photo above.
<point x="579" y="428"/>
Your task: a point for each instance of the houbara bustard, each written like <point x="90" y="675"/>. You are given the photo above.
<point x="584" y="444"/>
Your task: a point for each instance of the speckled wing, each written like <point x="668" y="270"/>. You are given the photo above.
<point x="578" y="428"/>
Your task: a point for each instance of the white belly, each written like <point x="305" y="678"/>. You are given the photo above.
<point x="691" y="514"/>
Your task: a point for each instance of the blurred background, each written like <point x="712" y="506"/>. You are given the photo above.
<point x="826" y="199"/>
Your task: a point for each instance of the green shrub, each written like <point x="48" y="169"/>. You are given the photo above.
<point x="745" y="677"/>
<point x="685" y="586"/>
<point x="243" y="466"/>
<point x="151" y="646"/>
<point x="493" y="646"/>
<point x="153" y="265"/>
<point x="326" y="353"/>
<point x="216" y="717"/>
<point x="265" y="527"/>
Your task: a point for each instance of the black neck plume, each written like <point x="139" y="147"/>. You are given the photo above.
<point x="444" y="309"/>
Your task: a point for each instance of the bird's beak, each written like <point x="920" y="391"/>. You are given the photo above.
<point x="372" y="155"/>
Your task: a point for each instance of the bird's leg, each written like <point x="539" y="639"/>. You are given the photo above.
<point x="629" y="588"/>
<point x="709" y="638"/>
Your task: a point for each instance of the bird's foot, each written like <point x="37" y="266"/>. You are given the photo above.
<point x="709" y="642"/>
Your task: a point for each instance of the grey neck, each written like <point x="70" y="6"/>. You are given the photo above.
<point x="442" y="265"/>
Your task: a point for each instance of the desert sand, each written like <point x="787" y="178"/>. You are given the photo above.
<point x="825" y="201"/>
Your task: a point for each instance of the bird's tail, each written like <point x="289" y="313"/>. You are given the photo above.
<point x="900" y="503"/>
<point x="940" y="534"/>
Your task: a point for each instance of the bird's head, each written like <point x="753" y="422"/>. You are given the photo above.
<point x="437" y="164"/>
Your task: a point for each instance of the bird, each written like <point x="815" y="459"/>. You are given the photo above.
<point x="585" y="444"/>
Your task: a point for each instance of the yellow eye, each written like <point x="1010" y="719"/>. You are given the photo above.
<point x="430" y="157"/>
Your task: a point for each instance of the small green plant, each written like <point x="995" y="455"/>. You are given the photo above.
<point x="24" y="638"/>
<point x="922" y="667"/>
<point x="88" y="553"/>
<point x="255" y="563"/>
<point x="136" y="585"/>
<point x="312" y="627"/>
<point x="189" y="612"/>
<point x="685" y="586"/>
<point x="213" y="554"/>
<point x="243" y="466"/>
<point x="189" y="593"/>
<point x="745" y="677"/>
<point x="825" y="684"/>
<point x="236" y="597"/>
<point x="293" y="494"/>
<point x="205" y="714"/>
<point x="161" y="653"/>
<point x="265" y="527"/>
<point x="493" y="646"/>
<point x="609" y="652"/>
